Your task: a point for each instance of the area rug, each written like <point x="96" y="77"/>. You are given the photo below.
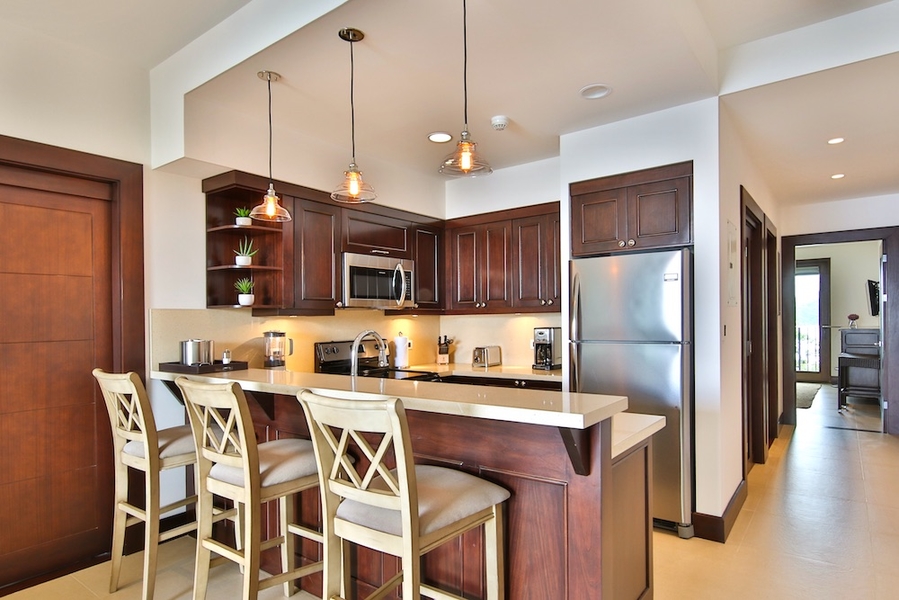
<point x="805" y="393"/>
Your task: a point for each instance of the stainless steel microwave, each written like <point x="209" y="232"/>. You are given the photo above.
<point x="377" y="282"/>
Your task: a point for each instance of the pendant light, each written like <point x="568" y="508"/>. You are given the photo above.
<point x="353" y="190"/>
<point x="270" y="209"/>
<point x="465" y="161"/>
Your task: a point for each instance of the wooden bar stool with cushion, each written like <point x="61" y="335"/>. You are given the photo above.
<point x="138" y="444"/>
<point x="232" y="465"/>
<point x="406" y="511"/>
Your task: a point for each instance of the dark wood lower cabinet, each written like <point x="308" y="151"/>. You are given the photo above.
<point x="632" y="523"/>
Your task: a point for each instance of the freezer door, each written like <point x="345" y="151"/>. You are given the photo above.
<point x="631" y="297"/>
<point x="655" y="378"/>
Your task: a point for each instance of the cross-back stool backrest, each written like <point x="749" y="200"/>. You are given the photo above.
<point x="378" y="429"/>
<point x="129" y="410"/>
<point x="222" y="427"/>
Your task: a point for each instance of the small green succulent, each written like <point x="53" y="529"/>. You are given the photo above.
<point x="244" y="285"/>
<point x="243" y="211"/>
<point x="246" y="248"/>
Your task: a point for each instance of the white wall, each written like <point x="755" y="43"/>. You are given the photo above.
<point x="688" y="132"/>
<point x="843" y="215"/>
<point x="533" y="183"/>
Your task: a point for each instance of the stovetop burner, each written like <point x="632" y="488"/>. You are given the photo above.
<point x="334" y="358"/>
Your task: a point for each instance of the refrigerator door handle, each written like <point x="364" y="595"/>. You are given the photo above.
<point x="574" y="386"/>
<point x="574" y="332"/>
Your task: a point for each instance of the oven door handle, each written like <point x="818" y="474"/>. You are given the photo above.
<point x="399" y="290"/>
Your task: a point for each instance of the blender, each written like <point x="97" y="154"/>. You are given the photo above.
<point x="277" y="347"/>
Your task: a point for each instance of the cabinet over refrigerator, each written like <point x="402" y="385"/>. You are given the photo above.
<point x="631" y="332"/>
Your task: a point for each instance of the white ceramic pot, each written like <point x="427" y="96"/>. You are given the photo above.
<point x="243" y="261"/>
<point x="243" y="221"/>
<point x="246" y="299"/>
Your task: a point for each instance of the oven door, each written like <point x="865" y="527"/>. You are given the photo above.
<point x="377" y="282"/>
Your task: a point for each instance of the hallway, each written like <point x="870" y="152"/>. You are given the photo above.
<point x="821" y="521"/>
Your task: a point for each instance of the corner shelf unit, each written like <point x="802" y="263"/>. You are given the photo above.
<point x="223" y="237"/>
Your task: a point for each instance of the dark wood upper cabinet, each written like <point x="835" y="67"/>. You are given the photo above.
<point x="316" y="257"/>
<point x="481" y="264"/>
<point x="370" y="233"/>
<point x="429" y="272"/>
<point x="632" y="211"/>
<point x="536" y="257"/>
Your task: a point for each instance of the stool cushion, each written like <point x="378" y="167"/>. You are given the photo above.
<point x="444" y="497"/>
<point x="279" y="461"/>
<point x="173" y="441"/>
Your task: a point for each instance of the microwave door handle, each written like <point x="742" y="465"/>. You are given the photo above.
<point x="402" y="285"/>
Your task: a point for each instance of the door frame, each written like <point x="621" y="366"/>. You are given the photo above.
<point x="889" y="236"/>
<point x="824" y="316"/>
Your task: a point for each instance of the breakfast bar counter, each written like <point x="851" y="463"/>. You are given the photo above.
<point x="552" y="450"/>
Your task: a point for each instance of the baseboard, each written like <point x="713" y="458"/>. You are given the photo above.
<point x="716" y="529"/>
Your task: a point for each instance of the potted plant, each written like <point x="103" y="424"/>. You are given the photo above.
<point x="244" y="287"/>
<point x="245" y="252"/>
<point x="243" y="217"/>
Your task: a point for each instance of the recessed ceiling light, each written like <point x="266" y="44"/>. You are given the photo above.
<point x="837" y="140"/>
<point x="595" y="90"/>
<point x="440" y="137"/>
<point x="837" y="176"/>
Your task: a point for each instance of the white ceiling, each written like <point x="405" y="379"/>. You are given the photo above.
<point x="527" y="60"/>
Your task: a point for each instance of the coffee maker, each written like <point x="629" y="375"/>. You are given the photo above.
<point x="547" y="348"/>
<point x="277" y="348"/>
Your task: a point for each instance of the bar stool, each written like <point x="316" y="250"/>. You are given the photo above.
<point x="139" y="445"/>
<point x="404" y="511"/>
<point x="232" y="465"/>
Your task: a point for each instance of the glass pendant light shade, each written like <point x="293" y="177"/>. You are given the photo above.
<point x="353" y="190"/>
<point x="270" y="209"/>
<point x="465" y="161"/>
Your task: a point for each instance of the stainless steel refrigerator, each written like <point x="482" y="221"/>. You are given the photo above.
<point x="631" y="333"/>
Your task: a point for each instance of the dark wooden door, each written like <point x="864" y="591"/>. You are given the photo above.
<point x="317" y="253"/>
<point x="465" y="245"/>
<point x="71" y="298"/>
<point x="598" y="222"/>
<point x="428" y="267"/>
<point x="658" y="214"/>
<point x="496" y="265"/>
<point x="536" y="263"/>
<point x="56" y="314"/>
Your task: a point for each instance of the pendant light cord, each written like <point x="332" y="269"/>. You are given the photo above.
<point x="270" y="179"/>
<point x="465" y="57"/>
<point x="352" y="101"/>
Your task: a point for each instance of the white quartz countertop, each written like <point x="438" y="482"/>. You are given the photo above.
<point x="558" y="409"/>
<point x="499" y="371"/>
<point x="629" y="429"/>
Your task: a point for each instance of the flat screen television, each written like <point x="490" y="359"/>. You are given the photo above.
<point x="874" y="297"/>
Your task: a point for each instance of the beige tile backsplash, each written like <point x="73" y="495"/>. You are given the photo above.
<point x="240" y="332"/>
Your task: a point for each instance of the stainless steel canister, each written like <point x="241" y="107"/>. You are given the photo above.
<point x="197" y="352"/>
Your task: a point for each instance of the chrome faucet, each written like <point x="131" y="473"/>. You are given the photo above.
<point x="354" y="352"/>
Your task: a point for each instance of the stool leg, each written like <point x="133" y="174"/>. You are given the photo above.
<point x="411" y="560"/>
<point x="251" y="547"/>
<point x="151" y="532"/>
<point x="286" y="510"/>
<point x="120" y="519"/>
<point x="494" y="557"/>
<point x="204" y="532"/>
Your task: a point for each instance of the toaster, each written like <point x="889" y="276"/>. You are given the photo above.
<point x="486" y="356"/>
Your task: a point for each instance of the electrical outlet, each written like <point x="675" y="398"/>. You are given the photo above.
<point x="410" y="343"/>
<point x="532" y="343"/>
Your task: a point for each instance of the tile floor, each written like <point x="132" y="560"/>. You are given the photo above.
<point x="821" y="521"/>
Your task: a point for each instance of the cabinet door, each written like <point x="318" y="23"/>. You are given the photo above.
<point x="368" y="233"/>
<point x="428" y="267"/>
<point x="598" y="222"/>
<point x="496" y="265"/>
<point x="535" y="253"/>
<point x="658" y="214"/>
<point x="316" y="252"/>
<point x="465" y="243"/>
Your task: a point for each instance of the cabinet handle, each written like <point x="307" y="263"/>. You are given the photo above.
<point x="524" y="383"/>
<point x="339" y="304"/>
<point x="549" y="302"/>
<point x="380" y="252"/>
<point x="631" y="243"/>
<point x="542" y="302"/>
<point x="621" y="243"/>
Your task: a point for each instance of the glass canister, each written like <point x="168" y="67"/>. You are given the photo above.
<point x="277" y="348"/>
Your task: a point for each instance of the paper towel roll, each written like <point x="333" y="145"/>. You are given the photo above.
<point x="401" y="351"/>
